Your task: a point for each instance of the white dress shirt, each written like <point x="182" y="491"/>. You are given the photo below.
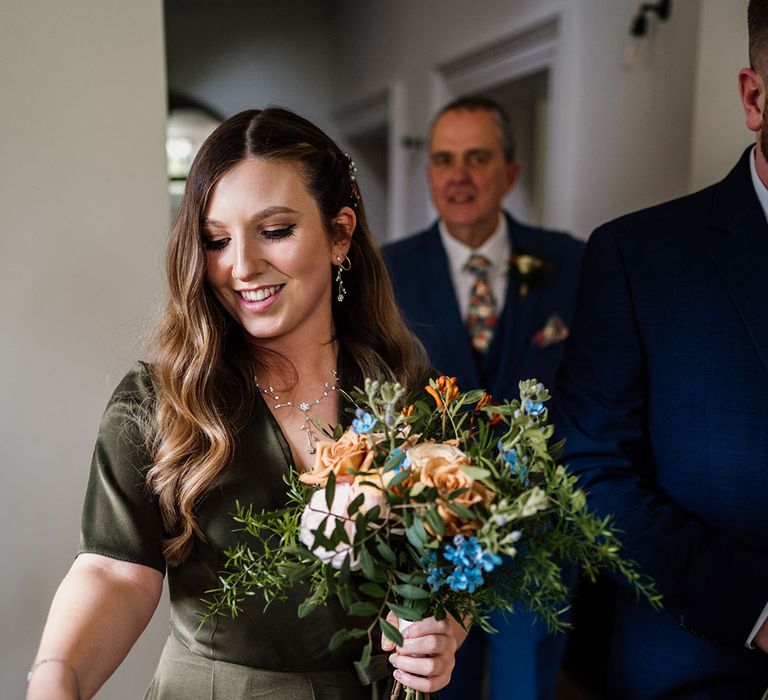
<point x="496" y="248"/>
<point x="762" y="196"/>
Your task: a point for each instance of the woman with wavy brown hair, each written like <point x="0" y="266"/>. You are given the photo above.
<point x="278" y="298"/>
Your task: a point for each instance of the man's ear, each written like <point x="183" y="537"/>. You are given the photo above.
<point x="343" y="225"/>
<point x="513" y="173"/>
<point x="752" y="93"/>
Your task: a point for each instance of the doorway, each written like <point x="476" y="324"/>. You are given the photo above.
<point x="518" y="72"/>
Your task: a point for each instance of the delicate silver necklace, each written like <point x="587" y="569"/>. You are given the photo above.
<point x="303" y="406"/>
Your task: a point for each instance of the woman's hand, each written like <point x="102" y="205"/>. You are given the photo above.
<point x="425" y="660"/>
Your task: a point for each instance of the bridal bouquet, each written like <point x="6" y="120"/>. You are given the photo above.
<point x="450" y="504"/>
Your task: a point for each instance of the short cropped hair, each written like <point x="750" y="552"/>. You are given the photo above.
<point x="757" y="28"/>
<point x="486" y="104"/>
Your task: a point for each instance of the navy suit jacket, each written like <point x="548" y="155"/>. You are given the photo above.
<point x="424" y="290"/>
<point x="663" y="398"/>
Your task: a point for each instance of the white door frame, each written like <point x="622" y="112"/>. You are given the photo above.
<point x="385" y="108"/>
<point x="531" y="49"/>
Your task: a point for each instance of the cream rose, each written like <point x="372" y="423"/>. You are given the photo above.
<point x="317" y="510"/>
<point x="350" y="453"/>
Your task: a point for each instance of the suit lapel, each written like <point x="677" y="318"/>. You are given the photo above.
<point x="442" y="306"/>
<point x="518" y="316"/>
<point x="741" y="254"/>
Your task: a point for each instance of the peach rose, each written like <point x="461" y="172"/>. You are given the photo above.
<point x="350" y="453"/>
<point x="439" y="466"/>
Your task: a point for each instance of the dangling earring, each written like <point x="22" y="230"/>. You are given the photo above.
<point x="342" y="289"/>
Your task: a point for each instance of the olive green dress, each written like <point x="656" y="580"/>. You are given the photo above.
<point x="262" y="653"/>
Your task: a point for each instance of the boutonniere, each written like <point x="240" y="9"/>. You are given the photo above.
<point x="528" y="271"/>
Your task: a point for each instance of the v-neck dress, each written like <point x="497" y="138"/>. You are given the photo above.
<point x="260" y="654"/>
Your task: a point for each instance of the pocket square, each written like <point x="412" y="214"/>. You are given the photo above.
<point x="553" y="331"/>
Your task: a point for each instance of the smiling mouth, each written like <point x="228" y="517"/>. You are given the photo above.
<point x="461" y="198"/>
<point x="260" y="294"/>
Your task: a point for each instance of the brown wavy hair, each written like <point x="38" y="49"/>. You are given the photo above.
<point x="204" y="366"/>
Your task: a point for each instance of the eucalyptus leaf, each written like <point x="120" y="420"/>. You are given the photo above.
<point x="435" y="522"/>
<point x="363" y="609"/>
<point x="372" y="589"/>
<point x="345" y="571"/>
<point x="366" y="564"/>
<point x="411" y="592"/>
<point x="339" y="637"/>
<point x="398" y="479"/>
<point x="390" y="632"/>
<point x="461" y="511"/>
<point x="404" y="612"/>
<point x="306" y="608"/>
<point x="413" y="577"/>
<point x="416" y="534"/>
<point x="365" y="657"/>
<point x="355" y="505"/>
<point x="385" y="550"/>
<point x="330" y="490"/>
<point x="475" y="472"/>
<point x="417" y="488"/>
<point x="473" y="395"/>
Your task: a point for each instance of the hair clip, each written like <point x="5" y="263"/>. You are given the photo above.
<point x="352" y="170"/>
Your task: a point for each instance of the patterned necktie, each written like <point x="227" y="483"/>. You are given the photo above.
<point x="482" y="318"/>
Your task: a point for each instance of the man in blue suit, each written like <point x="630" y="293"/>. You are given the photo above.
<point x="492" y="300"/>
<point x="663" y="397"/>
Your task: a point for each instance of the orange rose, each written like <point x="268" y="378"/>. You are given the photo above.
<point x="349" y="454"/>
<point x="439" y="466"/>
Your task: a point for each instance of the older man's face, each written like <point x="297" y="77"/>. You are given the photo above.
<point x="468" y="176"/>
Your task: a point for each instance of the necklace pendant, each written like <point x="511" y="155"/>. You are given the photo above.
<point x="303" y="406"/>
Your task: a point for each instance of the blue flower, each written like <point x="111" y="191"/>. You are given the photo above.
<point x="516" y="465"/>
<point x="465" y="580"/>
<point x="430" y="557"/>
<point x="509" y="456"/>
<point x="470" y="560"/>
<point x="436" y="577"/>
<point x="534" y="408"/>
<point x="363" y="423"/>
<point x="435" y="574"/>
<point x="489" y="561"/>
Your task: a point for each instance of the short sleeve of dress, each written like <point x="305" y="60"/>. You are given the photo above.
<point x="121" y="518"/>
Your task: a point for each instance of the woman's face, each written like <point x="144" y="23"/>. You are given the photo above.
<point x="269" y="255"/>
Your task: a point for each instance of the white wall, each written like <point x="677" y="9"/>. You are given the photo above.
<point x="621" y="139"/>
<point x="378" y="46"/>
<point x="630" y="130"/>
<point x="236" y="55"/>
<point x="83" y="216"/>
<point x="719" y="135"/>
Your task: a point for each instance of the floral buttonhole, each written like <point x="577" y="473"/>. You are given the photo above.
<point x="528" y="271"/>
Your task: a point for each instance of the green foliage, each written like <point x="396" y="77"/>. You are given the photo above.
<point x="393" y="539"/>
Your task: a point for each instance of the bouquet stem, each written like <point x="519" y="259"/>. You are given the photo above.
<point x="410" y="693"/>
<point x="399" y="688"/>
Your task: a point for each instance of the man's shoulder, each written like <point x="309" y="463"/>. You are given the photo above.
<point x="405" y="247"/>
<point x="402" y="255"/>
<point x="546" y="243"/>
<point x="552" y="237"/>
